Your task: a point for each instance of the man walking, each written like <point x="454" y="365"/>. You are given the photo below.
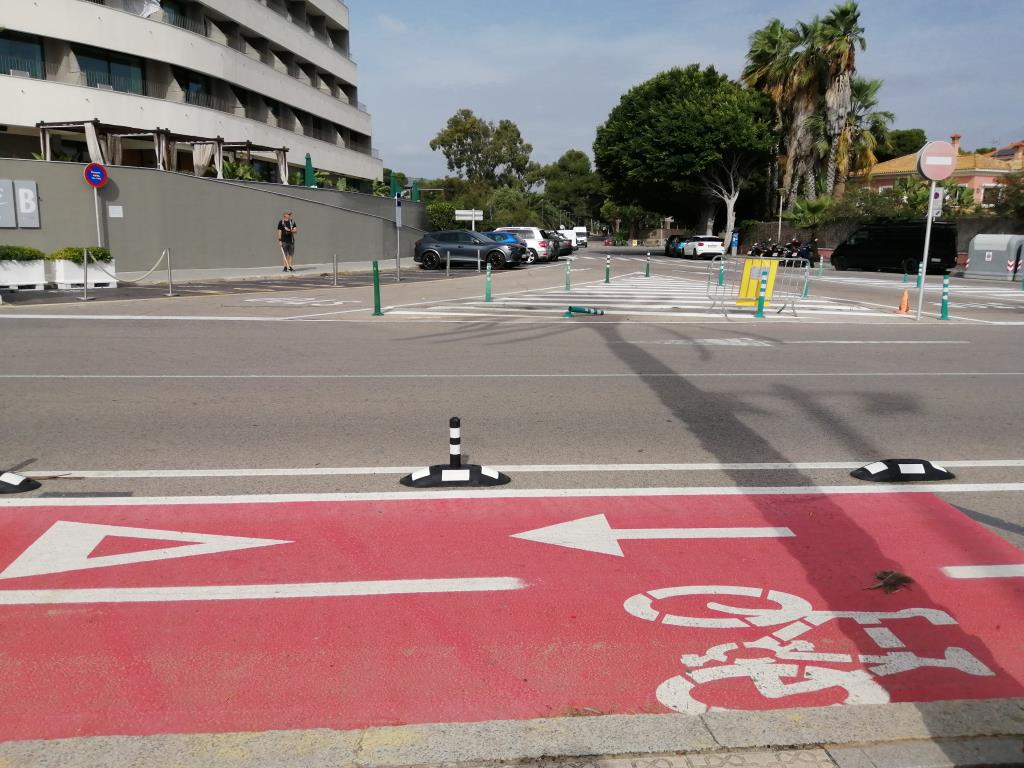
<point x="286" y="230"/>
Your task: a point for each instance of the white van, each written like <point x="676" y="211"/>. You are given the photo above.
<point x="570" y="235"/>
<point x="581" y="236"/>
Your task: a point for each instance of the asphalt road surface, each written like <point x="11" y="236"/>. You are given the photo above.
<point x="251" y="443"/>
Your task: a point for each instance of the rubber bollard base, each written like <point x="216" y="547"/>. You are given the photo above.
<point x="446" y="476"/>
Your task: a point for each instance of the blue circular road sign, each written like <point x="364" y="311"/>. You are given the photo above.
<point x="96" y="175"/>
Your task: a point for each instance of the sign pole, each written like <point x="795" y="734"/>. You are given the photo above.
<point x="927" y="244"/>
<point x="398" y="237"/>
<point x="96" y="205"/>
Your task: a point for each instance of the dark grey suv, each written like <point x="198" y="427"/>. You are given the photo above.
<point x="465" y="247"/>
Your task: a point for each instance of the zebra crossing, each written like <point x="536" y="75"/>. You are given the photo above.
<point x="632" y="295"/>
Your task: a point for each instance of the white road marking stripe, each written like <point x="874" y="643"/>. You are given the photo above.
<point x="255" y="591"/>
<point x="529" y="493"/>
<point x="884" y="637"/>
<point x="359" y="376"/>
<point x="983" y="571"/>
<point x="142" y="474"/>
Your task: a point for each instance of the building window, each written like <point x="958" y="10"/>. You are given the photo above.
<point x="21" y="53"/>
<point x="198" y="89"/>
<point x="990" y="195"/>
<point x="113" y="71"/>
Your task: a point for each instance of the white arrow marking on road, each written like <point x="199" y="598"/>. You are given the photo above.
<point x="594" y="534"/>
<point x="66" y="547"/>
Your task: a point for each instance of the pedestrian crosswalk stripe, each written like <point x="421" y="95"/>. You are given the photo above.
<point x="630" y="294"/>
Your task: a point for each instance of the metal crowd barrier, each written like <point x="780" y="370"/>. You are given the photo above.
<point x="736" y="281"/>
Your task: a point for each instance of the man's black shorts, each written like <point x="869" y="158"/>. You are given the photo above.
<point x="288" y="248"/>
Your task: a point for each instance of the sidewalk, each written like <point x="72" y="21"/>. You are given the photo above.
<point x="272" y="271"/>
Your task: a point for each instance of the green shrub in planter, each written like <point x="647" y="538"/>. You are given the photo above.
<point x="74" y="253"/>
<point x="20" y="253"/>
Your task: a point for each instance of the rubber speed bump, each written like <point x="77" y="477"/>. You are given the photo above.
<point x="11" y="482"/>
<point x="902" y="471"/>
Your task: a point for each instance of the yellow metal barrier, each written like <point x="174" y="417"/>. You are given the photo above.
<point x="750" y="285"/>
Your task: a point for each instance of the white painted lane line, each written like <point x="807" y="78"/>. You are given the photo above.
<point x="143" y="474"/>
<point x="983" y="571"/>
<point x="256" y="591"/>
<point x="530" y="493"/>
<point x="469" y="375"/>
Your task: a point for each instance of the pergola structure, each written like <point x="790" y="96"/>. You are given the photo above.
<point x="104" y="142"/>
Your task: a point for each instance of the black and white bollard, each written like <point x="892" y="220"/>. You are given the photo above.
<point x="11" y="482"/>
<point x="454" y="474"/>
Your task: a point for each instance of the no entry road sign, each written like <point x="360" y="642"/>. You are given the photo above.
<point x="936" y="160"/>
<point x="252" y="617"/>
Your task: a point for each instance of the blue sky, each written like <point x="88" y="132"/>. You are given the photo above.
<point x="558" y="67"/>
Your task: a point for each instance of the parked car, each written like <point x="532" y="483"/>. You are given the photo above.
<point x="703" y="247"/>
<point x="538" y="247"/>
<point x="504" y="237"/>
<point x="674" y="245"/>
<point x="465" y="247"/>
<point x="561" y="245"/>
<point x="582" y="236"/>
<point x="897" y="246"/>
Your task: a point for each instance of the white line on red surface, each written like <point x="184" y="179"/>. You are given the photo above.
<point x="527" y="493"/>
<point x="984" y="571"/>
<point x="256" y="591"/>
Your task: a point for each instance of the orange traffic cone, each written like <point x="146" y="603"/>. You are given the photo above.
<point x="904" y="303"/>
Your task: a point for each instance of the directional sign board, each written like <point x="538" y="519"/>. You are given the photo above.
<point x="183" y="618"/>
<point x="469" y="215"/>
<point x="936" y="160"/>
<point x="96" y="175"/>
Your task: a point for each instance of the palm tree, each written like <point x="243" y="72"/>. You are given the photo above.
<point x="840" y="33"/>
<point x="860" y="136"/>
<point x="854" y="146"/>
<point x="806" y="83"/>
<point x="768" y="71"/>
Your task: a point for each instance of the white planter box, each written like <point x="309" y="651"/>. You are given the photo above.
<point x="26" y="275"/>
<point x="67" y="274"/>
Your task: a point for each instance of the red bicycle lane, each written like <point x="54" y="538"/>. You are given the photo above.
<point x="249" y="617"/>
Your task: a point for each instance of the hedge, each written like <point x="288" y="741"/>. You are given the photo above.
<point x="74" y="253"/>
<point x="20" y="253"/>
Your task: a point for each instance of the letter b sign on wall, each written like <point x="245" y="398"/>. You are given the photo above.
<point x="19" y="204"/>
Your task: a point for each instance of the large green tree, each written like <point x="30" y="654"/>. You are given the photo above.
<point x="901" y="142"/>
<point x="483" y="152"/>
<point x="572" y="186"/>
<point x="670" y="140"/>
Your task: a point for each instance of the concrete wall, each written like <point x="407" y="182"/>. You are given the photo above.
<point x="830" y="236"/>
<point x="206" y="223"/>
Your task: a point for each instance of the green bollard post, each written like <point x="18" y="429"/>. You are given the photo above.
<point x="607" y="269"/>
<point x="807" y="282"/>
<point x="568" y="276"/>
<point x="376" y="291"/>
<point x="487" y="285"/>
<point x="647" y="270"/>
<point x="904" y="275"/>
<point x="945" y="299"/>
<point x="920" y="272"/>
<point x="721" y="272"/>
<point x="762" y="293"/>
